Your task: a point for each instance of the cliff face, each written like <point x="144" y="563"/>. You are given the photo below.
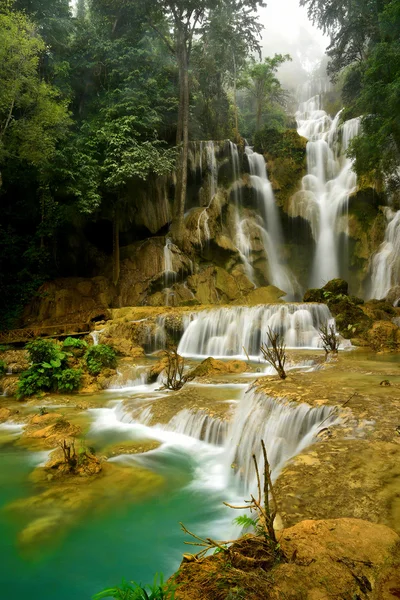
<point x="231" y="246"/>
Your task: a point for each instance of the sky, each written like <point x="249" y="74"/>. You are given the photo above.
<point x="287" y="30"/>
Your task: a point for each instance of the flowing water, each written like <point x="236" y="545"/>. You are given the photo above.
<point x="326" y="188"/>
<point x="203" y="460"/>
<point x="238" y="331"/>
<point x="385" y="264"/>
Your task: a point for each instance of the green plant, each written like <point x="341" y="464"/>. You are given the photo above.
<point x="45" y="351"/>
<point x="246" y="522"/>
<point x="69" y="380"/>
<point x="43" y="411"/>
<point x="71" y="342"/>
<point x="135" y="591"/>
<point x="100" y="356"/>
<point x="3" y="368"/>
<point x="33" y="381"/>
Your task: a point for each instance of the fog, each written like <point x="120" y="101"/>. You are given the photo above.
<point x="289" y="31"/>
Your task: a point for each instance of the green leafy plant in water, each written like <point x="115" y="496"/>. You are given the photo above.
<point x="246" y="522"/>
<point x="3" y="368"/>
<point x="100" y="357"/>
<point x="135" y="591"/>
<point x="43" y="411"/>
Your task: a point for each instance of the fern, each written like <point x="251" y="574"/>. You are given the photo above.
<point x="245" y="522"/>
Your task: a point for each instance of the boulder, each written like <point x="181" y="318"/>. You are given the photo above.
<point x="384" y="336"/>
<point x="213" y="366"/>
<point x="263" y="295"/>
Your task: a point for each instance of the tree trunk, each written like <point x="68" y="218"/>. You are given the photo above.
<point x="178" y="225"/>
<point x="116" y="261"/>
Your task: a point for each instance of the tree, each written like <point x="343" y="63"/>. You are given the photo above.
<point x="178" y="22"/>
<point x="365" y="49"/>
<point x="33" y="117"/>
<point x="263" y="86"/>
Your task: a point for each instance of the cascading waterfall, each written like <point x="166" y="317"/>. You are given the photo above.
<point x="242" y="240"/>
<point x="199" y="425"/>
<point x="233" y="331"/>
<point x="271" y="231"/>
<point x="286" y="428"/>
<point x="385" y="264"/>
<point x="327" y="186"/>
<point x="203" y="230"/>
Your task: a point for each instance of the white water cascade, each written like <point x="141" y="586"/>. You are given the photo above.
<point x="271" y="230"/>
<point x="203" y="230"/>
<point x="385" y="264"/>
<point x="242" y="240"/>
<point x="326" y="188"/>
<point x="233" y="331"/>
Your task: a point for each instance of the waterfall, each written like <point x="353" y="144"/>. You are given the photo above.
<point x="286" y="428"/>
<point x="198" y="424"/>
<point x="327" y="186"/>
<point x="233" y="331"/>
<point x="271" y="232"/>
<point x="95" y="336"/>
<point x="242" y="241"/>
<point x="385" y="264"/>
<point x="203" y="230"/>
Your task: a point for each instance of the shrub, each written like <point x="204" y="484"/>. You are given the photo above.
<point x="69" y="380"/>
<point x="34" y="380"/>
<point x="3" y="368"/>
<point x="99" y="357"/>
<point x="134" y="591"/>
<point x="71" y="342"/>
<point x="44" y="351"/>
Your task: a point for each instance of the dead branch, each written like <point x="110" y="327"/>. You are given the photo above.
<point x="174" y="370"/>
<point x="330" y="340"/>
<point x="275" y="352"/>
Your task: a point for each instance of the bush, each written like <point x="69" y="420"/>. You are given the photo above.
<point x="3" y="368"/>
<point x="134" y="591"/>
<point x="69" y="380"/>
<point x="99" y="357"/>
<point x="71" y="342"/>
<point x="34" y="380"/>
<point x="44" y="351"/>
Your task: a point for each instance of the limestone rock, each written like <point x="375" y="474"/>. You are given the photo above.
<point x="213" y="366"/>
<point x="262" y="295"/>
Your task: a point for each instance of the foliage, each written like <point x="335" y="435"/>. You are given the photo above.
<point x="246" y="522"/>
<point x="3" y="368"/>
<point x="134" y="591"/>
<point x="365" y="49"/>
<point x="264" y="90"/>
<point x="99" y="357"/>
<point x="71" y="342"/>
<point x="49" y="370"/>
<point x="69" y="380"/>
<point x="43" y="411"/>
<point x="45" y="351"/>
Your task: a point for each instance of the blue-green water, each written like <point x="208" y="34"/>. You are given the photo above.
<point x="125" y="541"/>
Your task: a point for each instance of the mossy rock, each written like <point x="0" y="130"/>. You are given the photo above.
<point x="314" y="295"/>
<point x="336" y="287"/>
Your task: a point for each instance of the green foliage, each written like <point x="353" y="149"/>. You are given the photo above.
<point x="134" y="591"/>
<point x="245" y="521"/>
<point x="100" y="357"/>
<point x="45" y="351"/>
<point x="69" y="380"/>
<point x="49" y="370"/>
<point x="3" y="368"/>
<point x="43" y="411"/>
<point x="71" y="342"/>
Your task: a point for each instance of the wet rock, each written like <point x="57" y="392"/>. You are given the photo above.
<point x="384" y="336"/>
<point x="338" y="558"/>
<point x="212" y="366"/>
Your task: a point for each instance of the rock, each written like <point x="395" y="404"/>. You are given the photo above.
<point x="133" y="447"/>
<point x="314" y="295"/>
<point x="49" y="436"/>
<point x="337" y="287"/>
<point x="5" y="414"/>
<point x="338" y="558"/>
<point x="212" y="366"/>
<point x="262" y="295"/>
<point x="384" y="336"/>
<point x="393" y="295"/>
